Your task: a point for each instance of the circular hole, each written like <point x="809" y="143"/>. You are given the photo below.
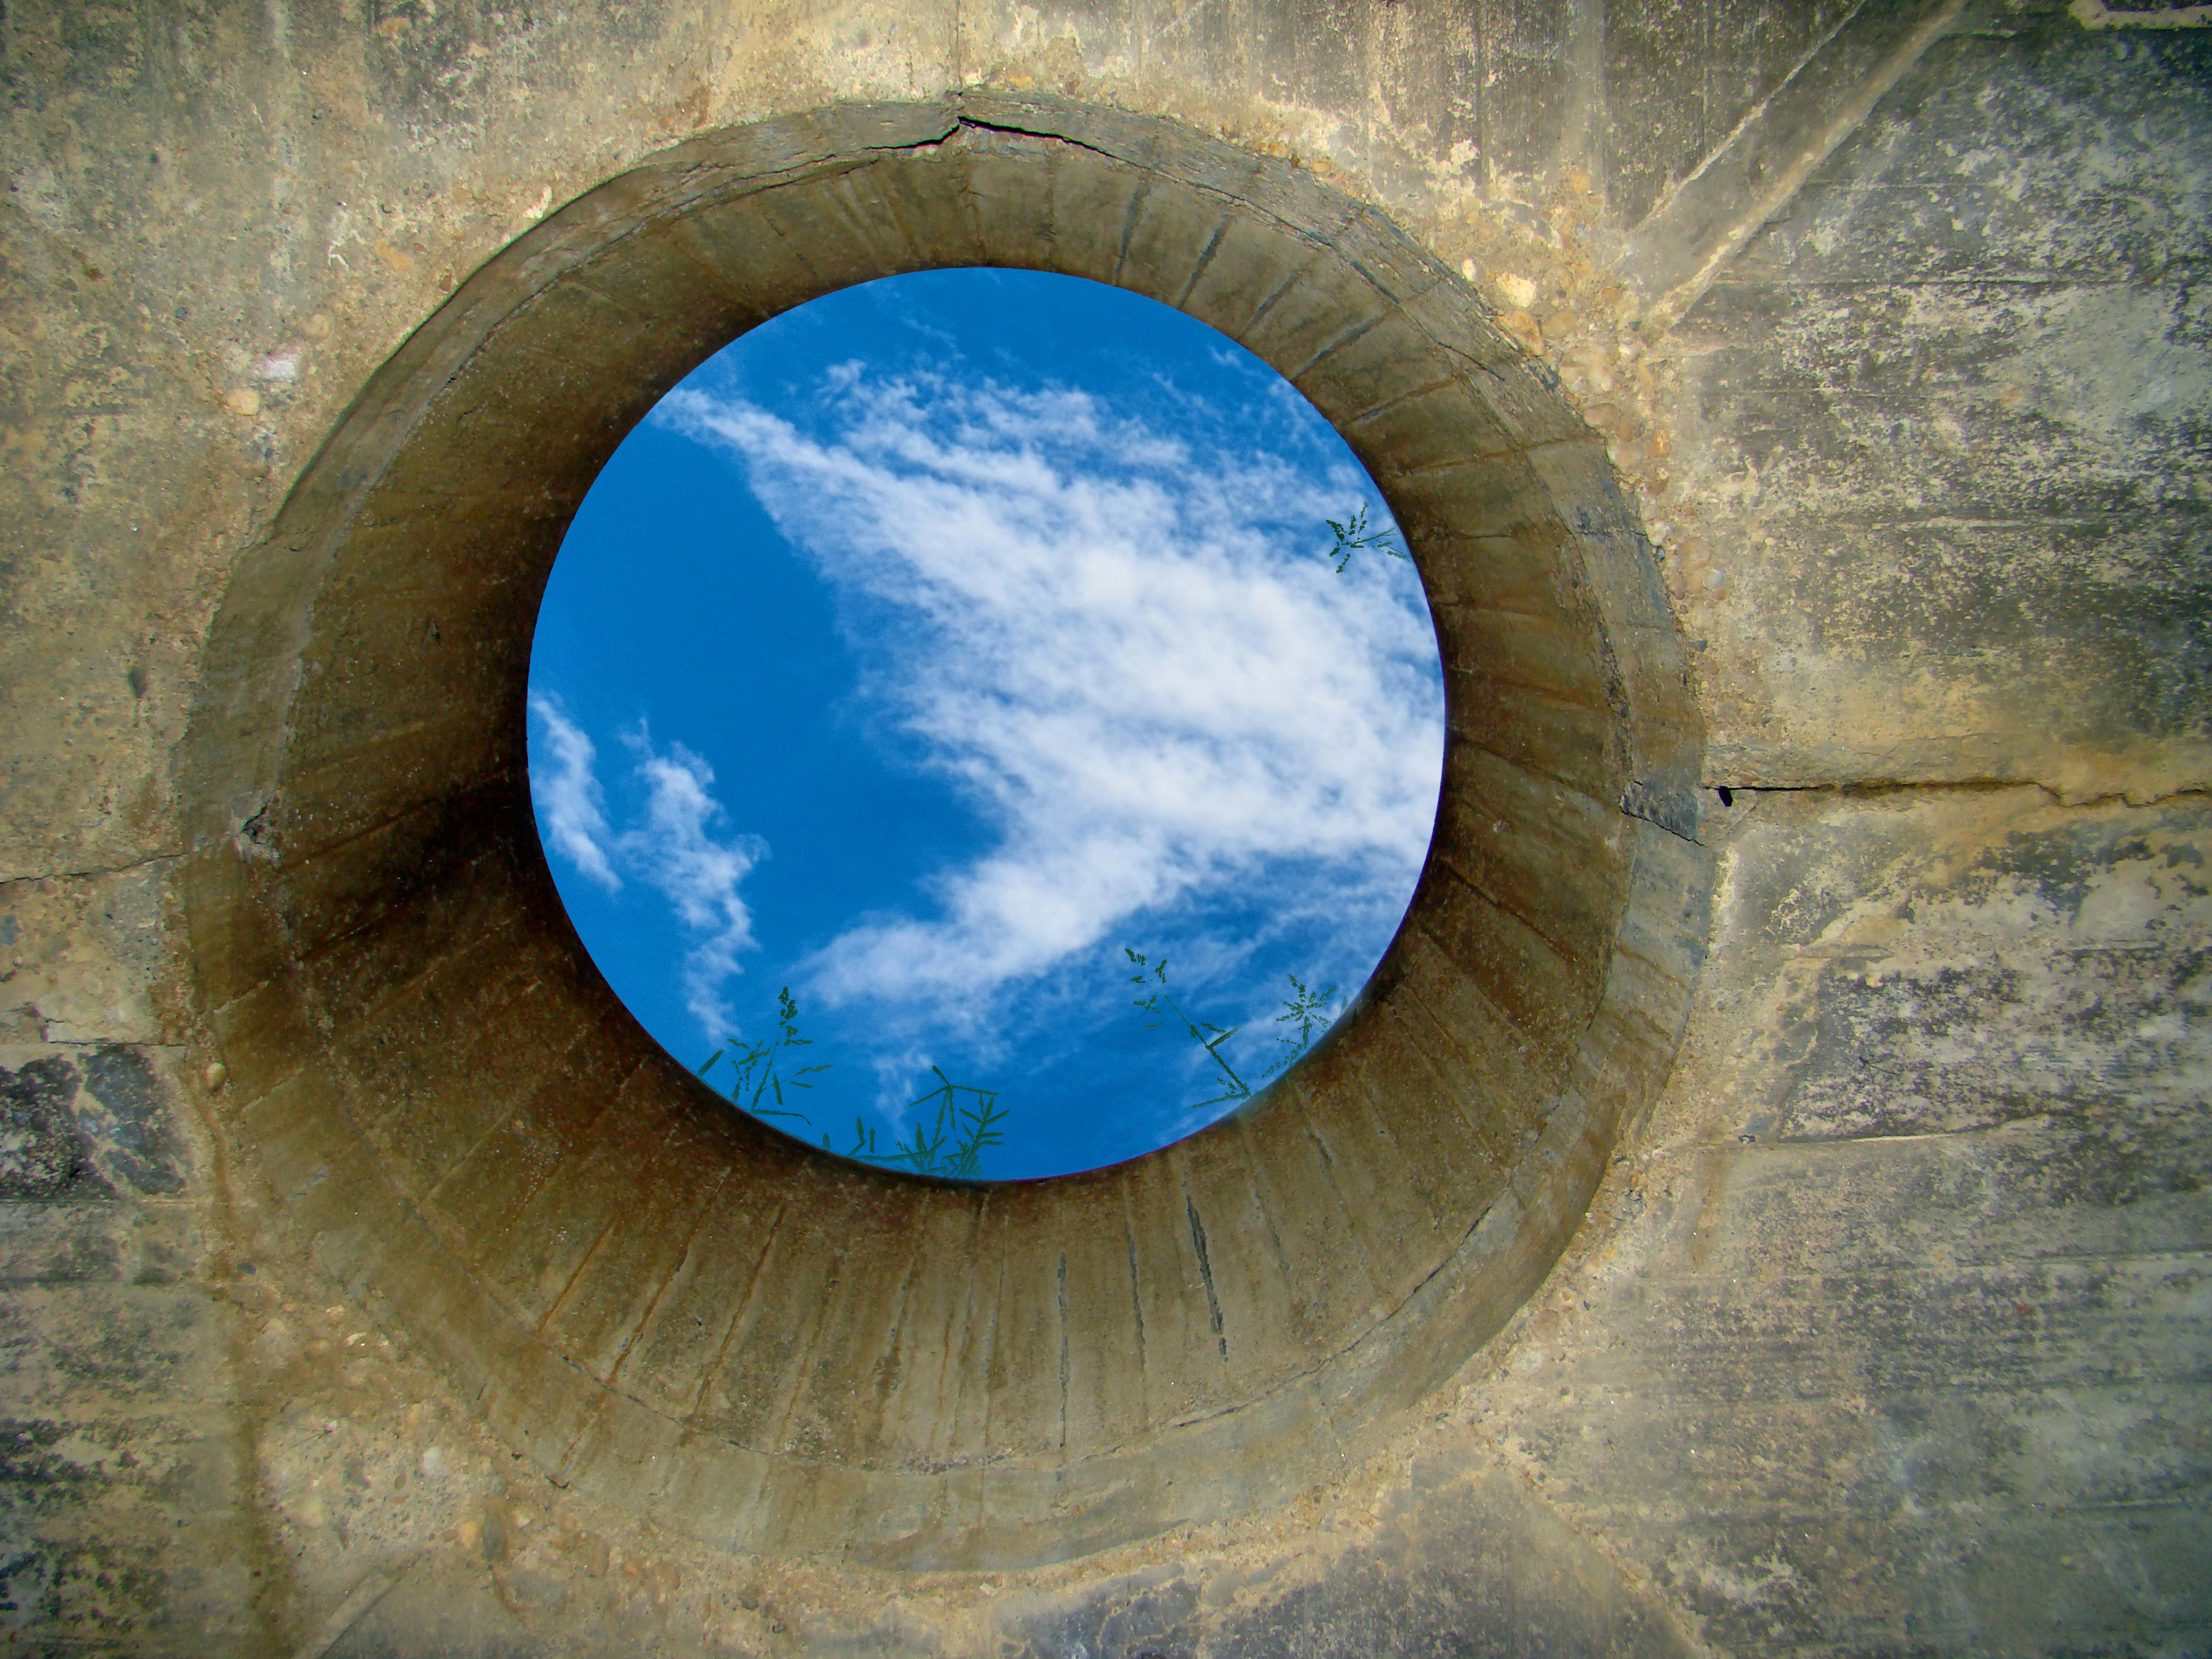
<point x="663" y="1304"/>
<point x="987" y="722"/>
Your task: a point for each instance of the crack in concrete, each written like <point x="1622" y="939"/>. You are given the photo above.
<point x="89" y="872"/>
<point x="1645" y="817"/>
<point x="1877" y="787"/>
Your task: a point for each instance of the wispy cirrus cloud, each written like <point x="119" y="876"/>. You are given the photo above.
<point x="673" y="844"/>
<point x="1107" y="649"/>
<point x="566" y="791"/>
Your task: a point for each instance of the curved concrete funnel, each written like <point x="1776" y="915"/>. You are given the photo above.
<point x="666" y="1303"/>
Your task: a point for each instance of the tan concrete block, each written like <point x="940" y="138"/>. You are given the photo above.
<point x="682" y="1337"/>
<point x="831" y="235"/>
<point x="1173" y="237"/>
<point x="753" y="257"/>
<point x="1581" y="746"/>
<point x="1331" y="1291"/>
<point x="1552" y="856"/>
<point x="491" y="1182"/>
<point x="1312" y="314"/>
<point x="1508" y="1071"/>
<point x="922" y="212"/>
<point x="1418" y="1135"/>
<point x="264" y="1036"/>
<point x="1253" y="261"/>
<point x="1560" y="657"/>
<point x="626" y="1451"/>
<point x="427" y="1121"/>
<point x="965" y="1407"/>
<point x="1382" y="363"/>
<point x="716" y="1488"/>
<point x="1524" y="397"/>
<point x="236" y="942"/>
<point x="598" y="1321"/>
<point x="1105" y="1391"/>
<point x="371" y="911"/>
<point x="295" y="1128"/>
<point x="1519" y="573"/>
<point x="1028" y="1398"/>
<point x="547" y="1246"/>
<point x="358" y="786"/>
<point x="1487" y="497"/>
<point x="850" y="1371"/>
<point x="1178" y="1355"/>
<point x="916" y="1425"/>
<point x="765" y="1365"/>
<point x="1440" y="1125"/>
<point x="358" y="969"/>
<point x="1392" y="1209"/>
<point x="1667" y="917"/>
<point x="1407" y="430"/>
<point x="1241" y="1272"/>
<point x="1546" y="996"/>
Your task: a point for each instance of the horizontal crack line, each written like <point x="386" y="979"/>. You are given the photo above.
<point x="1876" y="786"/>
<point x="91" y="871"/>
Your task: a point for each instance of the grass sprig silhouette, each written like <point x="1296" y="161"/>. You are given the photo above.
<point x="1353" y="535"/>
<point x="951" y="1144"/>
<point x="950" y="1141"/>
<point x="758" y="1066"/>
<point x="1159" y="1002"/>
<point x="1305" y="1009"/>
<point x="1309" y="1011"/>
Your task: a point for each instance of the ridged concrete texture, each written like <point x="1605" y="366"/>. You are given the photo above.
<point x="659" y="1301"/>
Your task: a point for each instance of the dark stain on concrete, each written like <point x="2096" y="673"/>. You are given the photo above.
<point x="139" y="1140"/>
<point x="43" y="1154"/>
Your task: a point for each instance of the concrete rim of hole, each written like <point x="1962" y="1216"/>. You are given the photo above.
<point x="660" y="1302"/>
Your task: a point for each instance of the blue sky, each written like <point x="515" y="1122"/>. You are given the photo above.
<point x="936" y="642"/>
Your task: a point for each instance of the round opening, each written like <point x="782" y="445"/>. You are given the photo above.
<point x="656" y="1299"/>
<point x="991" y="717"/>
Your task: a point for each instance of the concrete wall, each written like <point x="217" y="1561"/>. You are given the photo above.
<point x="1835" y="380"/>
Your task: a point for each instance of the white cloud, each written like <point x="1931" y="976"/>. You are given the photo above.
<point x="565" y="790"/>
<point x="1108" y="649"/>
<point x="671" y="846"/>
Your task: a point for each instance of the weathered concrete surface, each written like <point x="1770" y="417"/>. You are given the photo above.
<point x="1907" y="1347"/>
<point x="674" y="1309"/>
<point x="1888" y="1333"/>
<point x="1984" y="324"/>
